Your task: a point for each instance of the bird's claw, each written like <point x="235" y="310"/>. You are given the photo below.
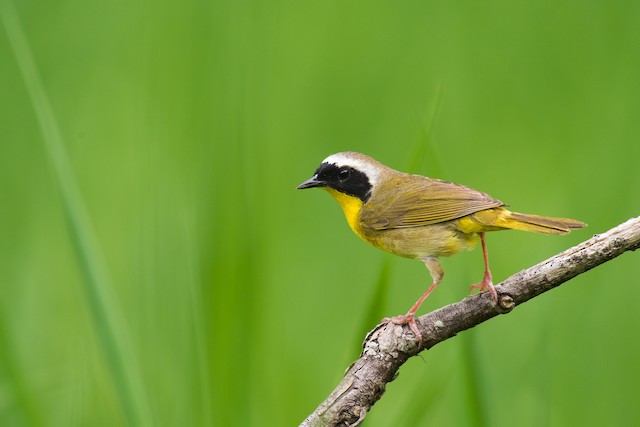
<point x="407" y="319"/>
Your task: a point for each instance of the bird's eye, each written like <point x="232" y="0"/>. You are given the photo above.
<point x="343" y="174"/>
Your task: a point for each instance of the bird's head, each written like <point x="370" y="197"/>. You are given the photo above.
<point x="349" y="173"/>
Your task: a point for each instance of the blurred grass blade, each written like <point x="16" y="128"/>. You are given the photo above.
<point x="111" y="333"/>
<point x="424" y="159"/>
<point x="197" y="322"/>
<point x="14" y="384"/>
<point x="474" y="386"/>
<point x="375" y="312"/>
<point x="418" y="410"/>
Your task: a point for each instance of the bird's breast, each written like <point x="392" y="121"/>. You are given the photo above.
<point x="437" y="240"/>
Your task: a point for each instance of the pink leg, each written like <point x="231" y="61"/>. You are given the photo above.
<point x="437" y="273"/>
<point x="487" y="280"/>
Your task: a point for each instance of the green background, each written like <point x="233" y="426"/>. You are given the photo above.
<point x="157" y="266"/>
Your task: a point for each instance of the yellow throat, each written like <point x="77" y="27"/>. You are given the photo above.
<point x="351" y="207"/>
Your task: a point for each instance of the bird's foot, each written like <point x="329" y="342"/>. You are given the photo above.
<point x="486" y="283"/>
<point x="407" y="319"/>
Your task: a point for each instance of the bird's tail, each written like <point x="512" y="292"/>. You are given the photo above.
<point x="537" y="223"/>
<point x="501" y="218"/>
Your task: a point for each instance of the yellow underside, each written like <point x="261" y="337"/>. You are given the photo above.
<point x="469" y="224"/>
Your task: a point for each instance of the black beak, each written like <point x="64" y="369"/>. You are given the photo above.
<point x="312" y="182"/>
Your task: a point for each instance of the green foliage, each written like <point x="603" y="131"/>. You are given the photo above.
<point x="157" y="266"/>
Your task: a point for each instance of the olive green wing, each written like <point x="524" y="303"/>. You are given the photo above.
<point x="416" y="200"/>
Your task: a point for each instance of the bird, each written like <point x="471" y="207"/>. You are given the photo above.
<point x="418" y="217"/>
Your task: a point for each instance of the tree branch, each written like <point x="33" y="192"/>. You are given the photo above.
<point x="388" y="346"/>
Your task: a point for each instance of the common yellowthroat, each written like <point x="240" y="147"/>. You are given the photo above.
<point x="418" y="217"/>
